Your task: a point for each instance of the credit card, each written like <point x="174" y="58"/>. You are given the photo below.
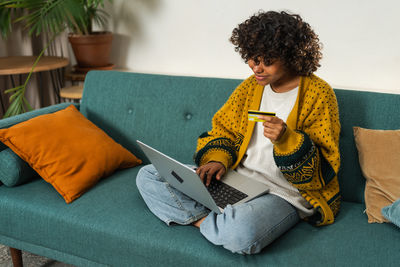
<point x="253" y="115"/>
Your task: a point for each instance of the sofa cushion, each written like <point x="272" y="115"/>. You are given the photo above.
<point x="13" y="170"/>
<point x="67" y="150"/>
<point x="392" y="212"/>
<point x="119" y="230"/>
<point x="379" y="156"/>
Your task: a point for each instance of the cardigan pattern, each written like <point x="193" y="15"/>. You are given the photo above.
<point x="308" y="152"/>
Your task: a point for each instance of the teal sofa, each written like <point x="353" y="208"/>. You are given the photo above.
<point x="110" y="225"/>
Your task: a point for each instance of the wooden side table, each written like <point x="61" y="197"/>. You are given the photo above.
<point x="18" y="65"/>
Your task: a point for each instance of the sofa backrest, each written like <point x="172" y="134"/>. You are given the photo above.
<point x="170" y="112"/>
<point x="165" y="112"/>
<point x="368" y="110"/>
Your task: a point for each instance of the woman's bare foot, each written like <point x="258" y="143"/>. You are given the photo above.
<point x="197" y="223"/>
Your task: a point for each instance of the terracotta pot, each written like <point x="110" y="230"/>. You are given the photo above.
<point x="92" y="50"/>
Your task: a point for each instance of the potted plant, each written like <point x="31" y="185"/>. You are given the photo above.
<point x="76" y="15"/>
<point x="55" y="16"/>
<point x="91" y="48"/>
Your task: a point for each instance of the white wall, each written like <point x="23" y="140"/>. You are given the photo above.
<point x="190" y="37"/>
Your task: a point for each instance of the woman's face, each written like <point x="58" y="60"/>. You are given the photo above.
<point x="268" y="74"/>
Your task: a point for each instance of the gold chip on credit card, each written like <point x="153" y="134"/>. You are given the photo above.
<point x="253" y="115"/>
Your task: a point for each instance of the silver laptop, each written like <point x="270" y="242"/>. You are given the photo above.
<point x="236" y="188"/>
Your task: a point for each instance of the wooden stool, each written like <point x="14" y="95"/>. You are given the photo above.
<point x="75" y="76"/>
<point x="72" y="93"/>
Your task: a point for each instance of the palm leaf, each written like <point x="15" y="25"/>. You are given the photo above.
<point x="21" y="89"/>
<point x="8" y="91"/>
<point x="13" y="109"/>
<point x="18" y="104"/>
<point x="101" y="18"/>
<point x="5" y="20"/>
<point x="26" y="104"/>
<point x="55" y="15"/>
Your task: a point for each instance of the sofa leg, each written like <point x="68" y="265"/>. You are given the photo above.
<point x="16" y="256"/>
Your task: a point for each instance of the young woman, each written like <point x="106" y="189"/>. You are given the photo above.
<point x="296" y="152"/>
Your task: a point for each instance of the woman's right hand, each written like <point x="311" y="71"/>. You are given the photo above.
<point x="207" y="171"/>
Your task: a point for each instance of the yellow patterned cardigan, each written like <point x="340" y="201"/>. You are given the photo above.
<point x="308" y="152"/>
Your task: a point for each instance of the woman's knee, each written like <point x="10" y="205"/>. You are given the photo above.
<point x="244" y="238"/>
<point x="252" y="236"/>
<point x="145" y="174"/>
<point x="232" y="230"/>
<point x="248" y="228"/>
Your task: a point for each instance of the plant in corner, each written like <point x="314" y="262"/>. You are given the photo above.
<point x="54" y="17"/>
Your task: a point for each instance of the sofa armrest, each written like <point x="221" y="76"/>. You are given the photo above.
<point x="8" y="122"/>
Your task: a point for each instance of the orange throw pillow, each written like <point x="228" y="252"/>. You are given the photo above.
<point x="67" y="150"/>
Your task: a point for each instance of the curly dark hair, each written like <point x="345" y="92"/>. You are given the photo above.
<point x="270" y="36"/>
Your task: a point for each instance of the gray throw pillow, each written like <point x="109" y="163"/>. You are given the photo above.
<point x="13" y="170"/>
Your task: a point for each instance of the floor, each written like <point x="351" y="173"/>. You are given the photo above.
<point x="29" y="260"/>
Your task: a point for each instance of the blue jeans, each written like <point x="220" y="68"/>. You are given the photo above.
<point x="245" y="228"/>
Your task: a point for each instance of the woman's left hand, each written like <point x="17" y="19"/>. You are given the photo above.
<point x="274" y="127"/>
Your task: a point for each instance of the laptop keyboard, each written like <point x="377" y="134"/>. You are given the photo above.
<point x="224" y="194"/>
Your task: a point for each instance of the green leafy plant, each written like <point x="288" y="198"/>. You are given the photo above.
<point x="57" y="15"/>
<point x="5" y="21"/>
<point x="50" y="16"/>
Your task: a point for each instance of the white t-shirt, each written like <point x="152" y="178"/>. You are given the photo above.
<point x="259" y="163"/>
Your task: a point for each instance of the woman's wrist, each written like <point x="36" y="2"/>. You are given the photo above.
<point x="218" y="162"/>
